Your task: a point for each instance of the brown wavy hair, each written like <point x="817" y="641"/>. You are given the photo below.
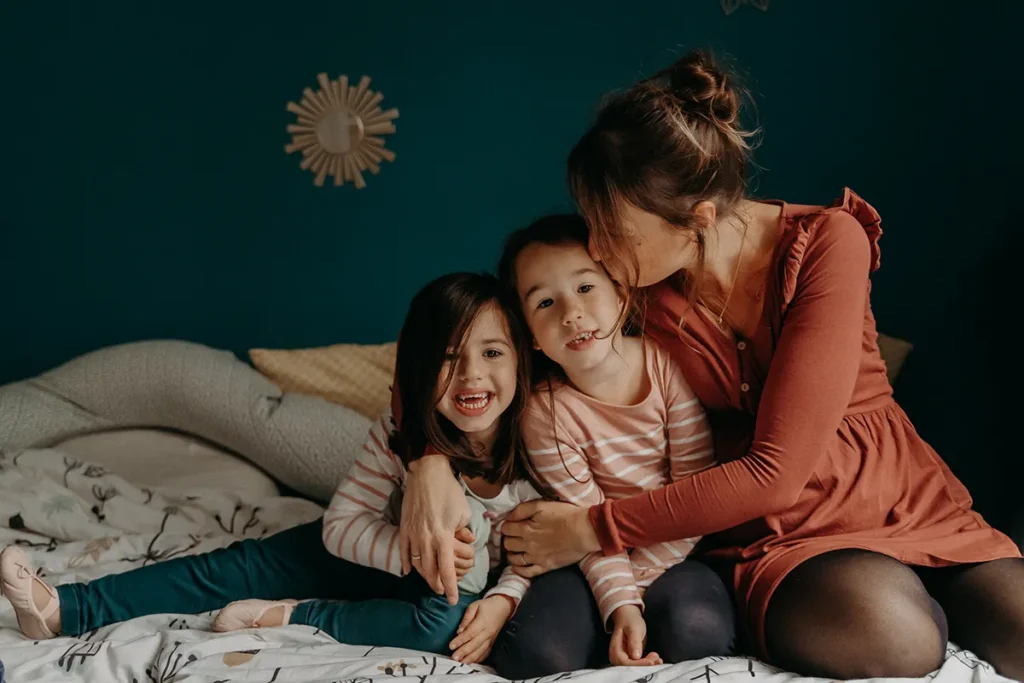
<point x="438" y="320"/>
<point x="664" y="145"/>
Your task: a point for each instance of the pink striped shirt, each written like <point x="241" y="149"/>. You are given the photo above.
<point x="591" y="450"/>
<point x="355" y="528"/>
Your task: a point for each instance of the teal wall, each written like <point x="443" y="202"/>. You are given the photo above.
<point x="144" y="191"/>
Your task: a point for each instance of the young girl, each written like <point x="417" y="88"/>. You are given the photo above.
<point x="617" y="419"/>
<point x="464" y="377"/>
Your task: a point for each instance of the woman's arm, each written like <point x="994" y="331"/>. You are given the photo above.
<point x="434" y="509"/>
<point x="806" y="394"/>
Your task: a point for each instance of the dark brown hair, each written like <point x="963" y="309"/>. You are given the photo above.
<point x="557" y="229"/>
<point x="438" y="320"/>
<point x="664" y="145"/>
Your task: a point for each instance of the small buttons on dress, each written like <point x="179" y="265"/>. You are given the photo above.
<point x="742" y="345"/>
<point x="744" y="387"/>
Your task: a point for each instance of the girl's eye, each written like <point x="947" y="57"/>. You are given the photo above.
<point x="493" y="353"/>
<point x="583" y="289"/>
<point x="545" y="303"/>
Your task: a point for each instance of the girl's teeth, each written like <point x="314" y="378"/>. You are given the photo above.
<point x="474" y="400"/>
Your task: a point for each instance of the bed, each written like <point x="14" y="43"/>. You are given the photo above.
<point x="116" y="494"/>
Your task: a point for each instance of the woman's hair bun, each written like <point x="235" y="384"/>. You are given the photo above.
<point x="702" y="87"/>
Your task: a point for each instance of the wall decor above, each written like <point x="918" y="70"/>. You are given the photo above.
<point x="730" y="6"/>
<point x="338" y="130"/>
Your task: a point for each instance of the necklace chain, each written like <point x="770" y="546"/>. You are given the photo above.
<point x="735" y="276"/>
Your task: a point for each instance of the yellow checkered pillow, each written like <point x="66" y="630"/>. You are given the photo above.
<point x="357" y="376"/>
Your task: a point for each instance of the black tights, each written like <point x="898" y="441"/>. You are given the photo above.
<point x="858" y="614"/>
<point x="557" y="627"/>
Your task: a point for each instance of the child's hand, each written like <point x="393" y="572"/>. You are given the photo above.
<point x="629" y="639"/>
<point x="465" y="553"/>
<point x="480" y="626"/>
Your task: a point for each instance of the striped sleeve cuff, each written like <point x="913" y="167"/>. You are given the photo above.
<point x="510" y="585"/>
<point x="612" y="583"/>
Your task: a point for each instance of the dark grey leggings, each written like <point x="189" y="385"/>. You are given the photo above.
<point x="557" y="627"/>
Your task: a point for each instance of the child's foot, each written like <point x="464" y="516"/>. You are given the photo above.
<point x="254" y="614"/>
<point x="35" y="602"/>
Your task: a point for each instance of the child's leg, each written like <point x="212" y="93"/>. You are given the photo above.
<point x="556" y="628"/>
<point x="689" y="614"/>
<point x="428" y="623"/>
<point x="291" y="564"/>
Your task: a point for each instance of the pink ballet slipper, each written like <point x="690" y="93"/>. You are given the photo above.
<point x="247" y="613"/>
<point x="17" y="579"/>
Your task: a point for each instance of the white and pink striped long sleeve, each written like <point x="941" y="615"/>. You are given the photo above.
<point x="355" y="528"/>
<point x="354" y="525"/>
<point x="587" y="450"/>
<point x="563" y="466"/>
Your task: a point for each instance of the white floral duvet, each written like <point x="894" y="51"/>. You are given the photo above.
<point x="78" y="522"/>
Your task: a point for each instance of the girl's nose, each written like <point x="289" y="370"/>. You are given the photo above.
<point x="573" y="312"/>
<point x="469" y="369"/>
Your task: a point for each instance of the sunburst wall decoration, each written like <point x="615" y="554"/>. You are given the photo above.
<point x="730" y="6"/>
<point x="338" y="130"/>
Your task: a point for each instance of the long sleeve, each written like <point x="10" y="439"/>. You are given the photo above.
<point x="808" y="388"/>
<point x="563" y="466"/>
<point x="511" y="585"/>
<point x="690" y="447"/>
<point x="354" y="525"/>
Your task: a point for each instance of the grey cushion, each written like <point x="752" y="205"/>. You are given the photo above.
<point x="305" y="442"/>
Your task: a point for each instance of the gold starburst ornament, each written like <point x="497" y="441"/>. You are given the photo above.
<point x="339" y="130"/>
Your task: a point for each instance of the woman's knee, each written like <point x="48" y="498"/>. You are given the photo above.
<point x="985" y="604"/>
<point x="690" y="614"/>
<point x="854" y="614"/>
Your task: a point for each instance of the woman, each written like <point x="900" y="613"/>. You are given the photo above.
<point x="852" y="550"/>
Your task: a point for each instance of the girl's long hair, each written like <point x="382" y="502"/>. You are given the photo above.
<point x="436" y="325"/>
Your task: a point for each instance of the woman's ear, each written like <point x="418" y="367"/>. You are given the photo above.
<point x="536" y="346"/>
<point x="706" y="210"/>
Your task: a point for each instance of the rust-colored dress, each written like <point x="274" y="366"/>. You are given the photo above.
<point x="816" y="454"/>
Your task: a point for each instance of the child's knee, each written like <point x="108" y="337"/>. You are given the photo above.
<point x="438" y="621"/>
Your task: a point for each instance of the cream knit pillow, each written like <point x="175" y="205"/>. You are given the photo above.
<point x="357" y="376"/>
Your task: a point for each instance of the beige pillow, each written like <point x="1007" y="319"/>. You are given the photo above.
<point x="357" y="376"/>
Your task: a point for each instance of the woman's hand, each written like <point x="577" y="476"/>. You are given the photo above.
<point x="544" y="535"/>
<point x="434" y="507"/>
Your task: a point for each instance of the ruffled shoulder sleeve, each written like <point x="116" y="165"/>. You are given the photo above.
<point x="806" y="225"/>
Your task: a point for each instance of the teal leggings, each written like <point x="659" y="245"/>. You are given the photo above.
<point x="353" y="604"/>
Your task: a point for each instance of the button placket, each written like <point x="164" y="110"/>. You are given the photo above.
<point x="741" y="346"/>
